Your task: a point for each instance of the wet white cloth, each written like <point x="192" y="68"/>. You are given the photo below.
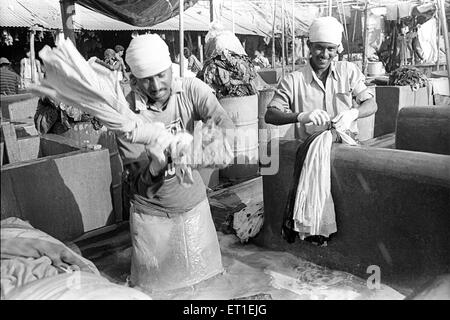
<point x="148" y="55"/>
<point x="218" y="39"/>
<point x="326" y="29"/>
<point x="314" y="207"/>
<point x="78" y="285"/>
<point x="74" y="81"/>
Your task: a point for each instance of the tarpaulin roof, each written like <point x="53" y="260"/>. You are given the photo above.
<point x="141" y="13"/>
<point x="47" y="14"/>
<point x="250" y="17"/>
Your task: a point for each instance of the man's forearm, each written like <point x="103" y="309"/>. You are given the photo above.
<point x="367" y="108"/>
<point x="278" y="118"/>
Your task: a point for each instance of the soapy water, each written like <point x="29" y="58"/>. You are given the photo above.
<point x="250" y="271"/>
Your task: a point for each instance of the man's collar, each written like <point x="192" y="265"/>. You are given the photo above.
<point x="309" y="77"/>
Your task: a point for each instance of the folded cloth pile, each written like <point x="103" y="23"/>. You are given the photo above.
<point x="36" y="266"/>
<point x="28" y="254"/>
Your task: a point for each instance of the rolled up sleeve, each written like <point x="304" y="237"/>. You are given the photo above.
<point x="283" y="95"/>
<point x="357" y="82"/>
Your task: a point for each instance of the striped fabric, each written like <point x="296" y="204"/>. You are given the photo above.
<point x="9" y="82"/>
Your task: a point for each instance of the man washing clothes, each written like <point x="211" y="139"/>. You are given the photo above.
<point x="164" y="214"/>
<point x="323" y="94"/>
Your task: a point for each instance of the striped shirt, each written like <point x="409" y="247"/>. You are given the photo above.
<point x="9" y="81"/>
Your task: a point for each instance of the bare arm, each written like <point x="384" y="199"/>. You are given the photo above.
<point x="367" y="108"/>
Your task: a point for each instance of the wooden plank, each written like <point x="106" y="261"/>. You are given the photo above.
<point x="12" y="149"/>
<point x="28" y="148"/>
<point x="384" y="141"/>
<point x="2" y="145"/>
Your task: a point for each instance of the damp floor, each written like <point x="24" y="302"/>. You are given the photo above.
<point x="250" y="272"/>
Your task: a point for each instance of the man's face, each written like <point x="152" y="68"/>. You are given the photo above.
<point x="322" y="53"/>
<point x="157" y="87"/>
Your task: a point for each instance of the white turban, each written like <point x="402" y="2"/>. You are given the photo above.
<point x="148" y="55"/>
<point x="326" y="29"/>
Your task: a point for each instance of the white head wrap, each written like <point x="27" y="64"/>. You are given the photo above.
<point x="326" y="29"/>
<point x="148" y="55"/>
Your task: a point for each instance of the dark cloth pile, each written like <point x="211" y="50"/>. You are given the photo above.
<point x="408" y="76"/>
<point x="229" y="74"/>
<point x="57" y="118"/>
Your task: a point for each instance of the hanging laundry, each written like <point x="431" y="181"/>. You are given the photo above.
<point x="426" y="34"/>
<point x="310" y="207"/>
<point x="314" y="207"/>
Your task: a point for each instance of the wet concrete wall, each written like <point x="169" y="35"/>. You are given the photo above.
<point x="65" y="192"/>
<point x="425" y="129"/>
<point x="391" y="211"/>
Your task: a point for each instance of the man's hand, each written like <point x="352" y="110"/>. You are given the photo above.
<point x="158" y="158"/>
<point x="318" y="117"/>
<point x="344" y="119"/>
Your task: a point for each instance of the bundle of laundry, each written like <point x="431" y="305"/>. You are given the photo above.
<point x="310" y="208"/>
<point x="229" y="74"/>
<point x="36" y="266"/>
<point x="411" y="76"/>
<point x="93" y="89"/>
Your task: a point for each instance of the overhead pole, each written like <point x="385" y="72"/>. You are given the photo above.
<point x="354" y="27"/>
<point x="274" y="3"/>
<point x="438" y="31"/>
<point x="32" y="56"/>
<point x="181" y="21"/>
<point x="445" y="33"/>
<point x="293" y="35"/>
<point x="200" y="47"/>
<point x="232" y="17"/>
<point x="211" y="10"/>
<point x="364" y="53"/>
<point x="283" y="51"/>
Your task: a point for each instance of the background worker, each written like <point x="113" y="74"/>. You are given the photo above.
<point x="123" y="69"/>
<point x="9" y="80"/>
<point x="26" y="70"/>
<point x="323" y="90"/>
